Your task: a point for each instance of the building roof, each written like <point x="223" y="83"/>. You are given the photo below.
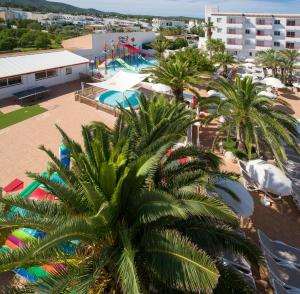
<point x="30" y="63"/>
<point x="292" y="16"/>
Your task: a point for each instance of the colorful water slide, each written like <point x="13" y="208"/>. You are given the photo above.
<point x="125" y="64"/>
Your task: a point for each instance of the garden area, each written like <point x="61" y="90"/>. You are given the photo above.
<point x="16" y="116"/>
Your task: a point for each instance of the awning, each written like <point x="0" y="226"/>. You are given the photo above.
<point x="121" y="81"/>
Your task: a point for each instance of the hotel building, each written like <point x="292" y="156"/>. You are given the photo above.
<point x="244" y="34"/>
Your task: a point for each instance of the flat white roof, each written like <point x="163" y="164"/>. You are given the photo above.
<point x="30" y="63"/>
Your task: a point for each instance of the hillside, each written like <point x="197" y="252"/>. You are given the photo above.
<point x="57" y="7"/>
<point x="46" y="6"/>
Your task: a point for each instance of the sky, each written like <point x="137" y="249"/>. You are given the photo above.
<point x="190" y="8"/>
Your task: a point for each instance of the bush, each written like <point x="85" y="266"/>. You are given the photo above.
<point x="42" y="41"/>
<point x="178" y="44"/>
<point x="7" y="43"/>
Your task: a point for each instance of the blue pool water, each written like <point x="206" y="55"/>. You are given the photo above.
<point x="138" y="65"/>
<point x="114" y="98"/>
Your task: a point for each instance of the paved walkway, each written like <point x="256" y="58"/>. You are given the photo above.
<point x="19" y="143"/>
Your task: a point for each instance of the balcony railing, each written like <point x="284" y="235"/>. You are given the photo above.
<point x="292" y="47"/>
<point x="263" y="35"/>
<point x="234" y="33"/>
<point x="267" y="23"/>
<point x="291" y="36"/>
<point x="234" y="22"/>
<point x="234" y="44"/>
<point x="263" y="45"/>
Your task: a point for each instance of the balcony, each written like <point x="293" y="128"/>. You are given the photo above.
<point x="264" y="23"/>
<point x="234" y="33"/>
<point x="264" y="45"/>
<point x="234" y="22"/>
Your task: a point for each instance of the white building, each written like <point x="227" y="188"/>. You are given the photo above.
<point x="23" y="72"/>
<point x="158" y="23"/>
<point x="244" y="34"/>
<point x="91" y="46"/>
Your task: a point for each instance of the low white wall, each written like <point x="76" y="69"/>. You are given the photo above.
<point x="28" y="81"/>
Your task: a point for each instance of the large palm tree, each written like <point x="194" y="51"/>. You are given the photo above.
<point x="224" y="59"/>
<point x="160" y="45"/>
<point x="269" y="59"/>
<point x="137" y="230"/>
<point x="175" y="73"/>
<point x="252" y="119"/>
<point x="290" y="58"/>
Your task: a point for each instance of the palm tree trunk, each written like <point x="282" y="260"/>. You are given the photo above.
<point x="265" y="72"/>
<point x="225" y="69"/>
<point x="178" y="93"/>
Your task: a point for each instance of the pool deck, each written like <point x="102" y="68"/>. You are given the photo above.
<point x="19" y="143"/>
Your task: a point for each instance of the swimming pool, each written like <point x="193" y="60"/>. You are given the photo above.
<point x="114" y="98"/>
<point x="137" y="64"/>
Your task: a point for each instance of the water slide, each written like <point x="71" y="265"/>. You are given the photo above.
<point x="125" y="64"/>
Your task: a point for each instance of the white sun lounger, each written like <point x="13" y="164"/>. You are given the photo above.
<point x="280" y="251"/>
<point x="279" y="289"/>
<point x="286" y="276"/>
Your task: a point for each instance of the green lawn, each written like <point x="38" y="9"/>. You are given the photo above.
<point x="11" y="118"/>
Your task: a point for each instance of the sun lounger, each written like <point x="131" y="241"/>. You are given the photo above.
<point x="25" y="274"/>
<point x="286" y="276"/>
<point x="279" y="289"/>
<point x="16" y="241"/>
<point x="14" y="186"/>
<point x="279" y="250"/>
<point x="11" y="245"/>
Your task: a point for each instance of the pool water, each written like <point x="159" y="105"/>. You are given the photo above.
<point x="138" y="65"/>
<point x="114" y="98"/>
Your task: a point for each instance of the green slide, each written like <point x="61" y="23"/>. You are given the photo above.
<point x="125" y="64"/>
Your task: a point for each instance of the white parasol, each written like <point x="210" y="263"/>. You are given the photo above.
<point x="244" y="205"/>
<point x="269" y="177"/>
<point x="267" y="94"/>
<point x="273" y="82"/>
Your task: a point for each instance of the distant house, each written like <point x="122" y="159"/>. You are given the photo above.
<point x="23" y="72"/>
<point x="158" y="23"/>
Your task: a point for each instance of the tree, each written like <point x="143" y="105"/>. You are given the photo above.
<point x="178" y="44"/>
<point x="42" y="41"/>
<point x="7" y="43"/>
<point x="175" y="73"/>
<point x="214" y="46"/>
<point x="224" y="59"/>
<point x="253" y="120"/>
<point x="269" y="59"/>
<point x="290" y="58"/>
<point x="160" y="45"/>
<point x="208" y="27"/>
<point x="197" y="30"/>
<point x="133" y="235"/>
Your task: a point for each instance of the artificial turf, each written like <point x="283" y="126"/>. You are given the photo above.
<point x="11" y="118"/>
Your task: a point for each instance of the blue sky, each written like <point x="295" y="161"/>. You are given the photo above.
<point x="192" y="8"/>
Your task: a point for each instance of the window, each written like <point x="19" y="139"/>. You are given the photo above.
<point x="290" y="45"/>
<point x="277" y="21"/>
<point x="291" y="23"/>
<point x="51" y="73"/>
<point x="14" y="80"/>
<point x="260" y="33"/>
<point x="219" y="19"/>
<point x="260" y="43"/>
<point x="231" y="31"/>
<point x="69" y="70"/>
<point x="290" y="34"/>
<point x="276" y="44"/>
<point x="3" y="83"/>
<point x="247" y="42"/>
<point x="250" y="54"/>
<point x="40" y="75"/>
<point x="277" y="33"/>
<point x="10" y="81"/>
<point x="45" y="74"/>
<point x="235" y="53"/>
<point x="247" y="32"/>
